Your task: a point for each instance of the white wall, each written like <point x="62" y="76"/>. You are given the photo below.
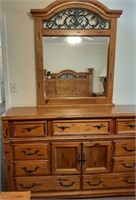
<point x="20" y="35"/>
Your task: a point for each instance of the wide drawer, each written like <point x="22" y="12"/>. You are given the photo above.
<point x="49" y="183"/>
<point x="124" y="164"/>
<point x="29" y="128"/>
<point x="81" y="127"/>
<point x="125" y="126"/>
<point x="108" y="181"/>
<point x="31" y="151"/>
<point x="29" y="168"/>
<point x="124" y="148"/>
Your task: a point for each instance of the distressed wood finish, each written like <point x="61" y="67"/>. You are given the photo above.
<point x="82" y="162"/>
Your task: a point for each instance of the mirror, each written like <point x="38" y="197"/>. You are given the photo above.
<point x="81" y="73"/>
<point x="78" y="54"/>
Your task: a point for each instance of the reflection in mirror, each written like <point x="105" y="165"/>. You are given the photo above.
<point x="75" y="58"/>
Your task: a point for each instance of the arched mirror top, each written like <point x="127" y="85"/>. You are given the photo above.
<point x="82" y="80"/>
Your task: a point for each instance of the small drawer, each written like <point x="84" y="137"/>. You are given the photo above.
<point x="31" y="151"/>
<point x="125" y="126"/>
<point x="108" y="181"/>
<point x="124" y="148"/>
<point x="50" y="183"/>
<point x="29" y="168"/>
<point x="81" y="127"/>
<point x="29" y="128"/>
<point x="124" y="164"/>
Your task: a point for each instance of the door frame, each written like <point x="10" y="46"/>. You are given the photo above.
<point x="4" y="44"/>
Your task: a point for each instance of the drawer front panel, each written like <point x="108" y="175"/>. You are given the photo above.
<point x="124" y="148"/>
<point x="81" y="127"/>
<point x="108" y="181"/>
<point x="124" y="164"/>
<point x="29" y="168"/>
<point x="31" y="151"/>
<point x="126" y="126"/>
<point x="29" y="129"/>
<point x="51" y="183"/>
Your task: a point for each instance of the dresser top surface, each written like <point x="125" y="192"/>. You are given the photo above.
<point x="69" y="112"/>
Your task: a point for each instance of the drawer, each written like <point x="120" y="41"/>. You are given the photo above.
<point x="70" y="127"/>
<point x="31" y="151"/>
<point x="124" y="164"/>
<point x="124" y="148"/>
<point x="50" y="183"/>
<point x="29" y="168"/>
<point x="29" y="128"/>
<point x="126" y="126"/>
<point x="108" y="181"/>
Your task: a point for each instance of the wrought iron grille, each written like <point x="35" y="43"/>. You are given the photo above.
<point x="76" y="19"/>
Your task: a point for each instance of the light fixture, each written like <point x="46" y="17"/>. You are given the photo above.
<point x="74" y="40"/>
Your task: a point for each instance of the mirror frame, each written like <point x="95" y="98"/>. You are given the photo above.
<point x="49" y="12"/>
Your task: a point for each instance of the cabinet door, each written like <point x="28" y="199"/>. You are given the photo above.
<point x="96" y="157"/>
<point x="66" y="158"/>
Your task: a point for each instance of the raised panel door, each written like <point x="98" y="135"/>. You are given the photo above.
<point x="66" y="158"/>
<point x="96" y="157"/>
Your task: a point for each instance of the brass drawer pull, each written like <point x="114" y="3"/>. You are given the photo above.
<point x="30" y="154"/>
<point x="131" y="125"/>
<point x="126" y="149"/>
<point x="95" y="184"/>
<point x="29" y="170"/>
<point x="66" y="185"/>
<point x="128" y="182"/>
<point x="29" y="186"/>
<point x="63" y="127"/>
<point x="128" y="166"/>
<point x="99" y="126"/>
<point x="31" y="128"/>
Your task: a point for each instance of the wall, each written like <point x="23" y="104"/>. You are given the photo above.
<point x="20" y="41"/>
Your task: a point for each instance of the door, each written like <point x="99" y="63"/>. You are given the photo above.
<point x="96" y="157"/>
<point x="66" y="158"/>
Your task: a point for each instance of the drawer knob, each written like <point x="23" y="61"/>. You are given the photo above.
<point x="129" y="150"/>
<point x="99" y="126"/>
<point x="30" y="154"/>
<point x="29" y="186"/>
<point x="128" y="166"/>
<point x="29" y="170"/>
<point x="63" y="127"/>
<point x="131" y="125"/>
<point x="93" y="184"/>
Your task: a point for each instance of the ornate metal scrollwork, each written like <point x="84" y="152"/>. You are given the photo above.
<point x="67" y="76"/>
<point x="76" y="19"/>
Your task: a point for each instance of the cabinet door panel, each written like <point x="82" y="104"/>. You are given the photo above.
<point x="97" y="157"/>
<point x="66" y="158"/>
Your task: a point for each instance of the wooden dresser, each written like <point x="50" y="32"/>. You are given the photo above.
<point x="70" y="152"/>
